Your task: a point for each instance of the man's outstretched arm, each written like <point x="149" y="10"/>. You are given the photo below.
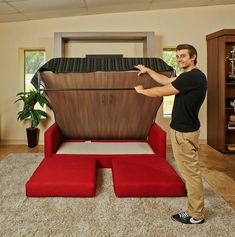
<point x="157" y="91"/>
<point x="161" y="79"/>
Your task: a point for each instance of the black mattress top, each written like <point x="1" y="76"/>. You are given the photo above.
<point x="93" y="64"/>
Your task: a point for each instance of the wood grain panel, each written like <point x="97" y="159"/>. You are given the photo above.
<point x="212" y="93"/>
<point x="219" y="91"/>
<point x="101" y="114"/>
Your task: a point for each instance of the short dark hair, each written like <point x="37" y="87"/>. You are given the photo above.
<point x="191" y="50"/>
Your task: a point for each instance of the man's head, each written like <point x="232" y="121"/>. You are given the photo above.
<point x="186" y="55"/>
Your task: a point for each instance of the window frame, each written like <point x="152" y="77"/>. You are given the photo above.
<point x="23" y="52"/>
<point x="22" y="71"/>
<point x="166" y="49"/>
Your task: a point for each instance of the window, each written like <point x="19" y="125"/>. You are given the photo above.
<point x="30" y="61"/>
<point x="33" y="60"/>
<point x="170" y="58"/>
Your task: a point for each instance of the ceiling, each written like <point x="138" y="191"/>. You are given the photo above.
<point x="25" y="10"/>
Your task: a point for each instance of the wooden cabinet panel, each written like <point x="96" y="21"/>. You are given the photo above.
<point x="130" y="115"/>
<point x="221" y="91"/>
<point x="101" y="105"/>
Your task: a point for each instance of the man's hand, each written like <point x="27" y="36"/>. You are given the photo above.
<point x="139" y="88"/>
<point x="142" y="69"/>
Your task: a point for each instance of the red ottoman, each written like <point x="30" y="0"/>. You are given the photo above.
<point x="70" y="177"/>
<point x="146" y="177"/>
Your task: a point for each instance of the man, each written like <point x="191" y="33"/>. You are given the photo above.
<point x="189" y="89"/>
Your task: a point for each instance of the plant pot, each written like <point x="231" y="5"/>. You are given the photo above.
<point x="32" y="136"/>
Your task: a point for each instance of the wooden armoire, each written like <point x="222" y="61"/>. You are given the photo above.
<point x="221" y="90"/>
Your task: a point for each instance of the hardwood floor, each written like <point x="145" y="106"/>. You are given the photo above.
<point x="219" y="171"/>
<point x="7" y="149"/>
<point x="217" y="168"/>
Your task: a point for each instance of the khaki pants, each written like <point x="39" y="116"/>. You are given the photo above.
<point x="185" y="150"/>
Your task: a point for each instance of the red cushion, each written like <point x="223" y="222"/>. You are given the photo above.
<point x="71" y="177"/>
<point x="146" y="177"/>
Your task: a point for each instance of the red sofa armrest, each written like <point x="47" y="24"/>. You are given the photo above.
<point x="52" y="140"/>
<point x="157" y="140"/>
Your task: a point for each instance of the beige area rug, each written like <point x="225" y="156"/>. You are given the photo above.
<point x="101" y="216"/>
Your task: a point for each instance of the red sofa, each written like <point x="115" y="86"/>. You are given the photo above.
<point x="101" y="122"/>
<point x="134" y="175"/>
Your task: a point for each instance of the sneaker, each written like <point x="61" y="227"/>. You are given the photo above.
<point x="185" y="218"/>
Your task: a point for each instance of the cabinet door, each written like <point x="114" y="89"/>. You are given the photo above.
<point x="130" y="115"/>
<point x="229" y="140"/>
<point x="79" y="114"/>
<point x="79" y="109"/>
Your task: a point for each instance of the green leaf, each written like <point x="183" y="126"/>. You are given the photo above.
<point x="42" y="113"/>
<point x="23" y="115"/>
<point x="35" y="118"/>
<point x="30" y="99"/>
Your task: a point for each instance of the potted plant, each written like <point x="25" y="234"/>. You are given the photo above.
<point x="30" y="99"/>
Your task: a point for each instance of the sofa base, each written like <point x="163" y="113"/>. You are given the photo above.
<point x="71" y="170"/>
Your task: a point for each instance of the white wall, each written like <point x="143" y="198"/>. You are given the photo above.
<point x="171" y="27"/>
<point x="81" y="49"/>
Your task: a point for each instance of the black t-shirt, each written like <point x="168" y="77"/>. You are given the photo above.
<point x="192" y="87"/>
